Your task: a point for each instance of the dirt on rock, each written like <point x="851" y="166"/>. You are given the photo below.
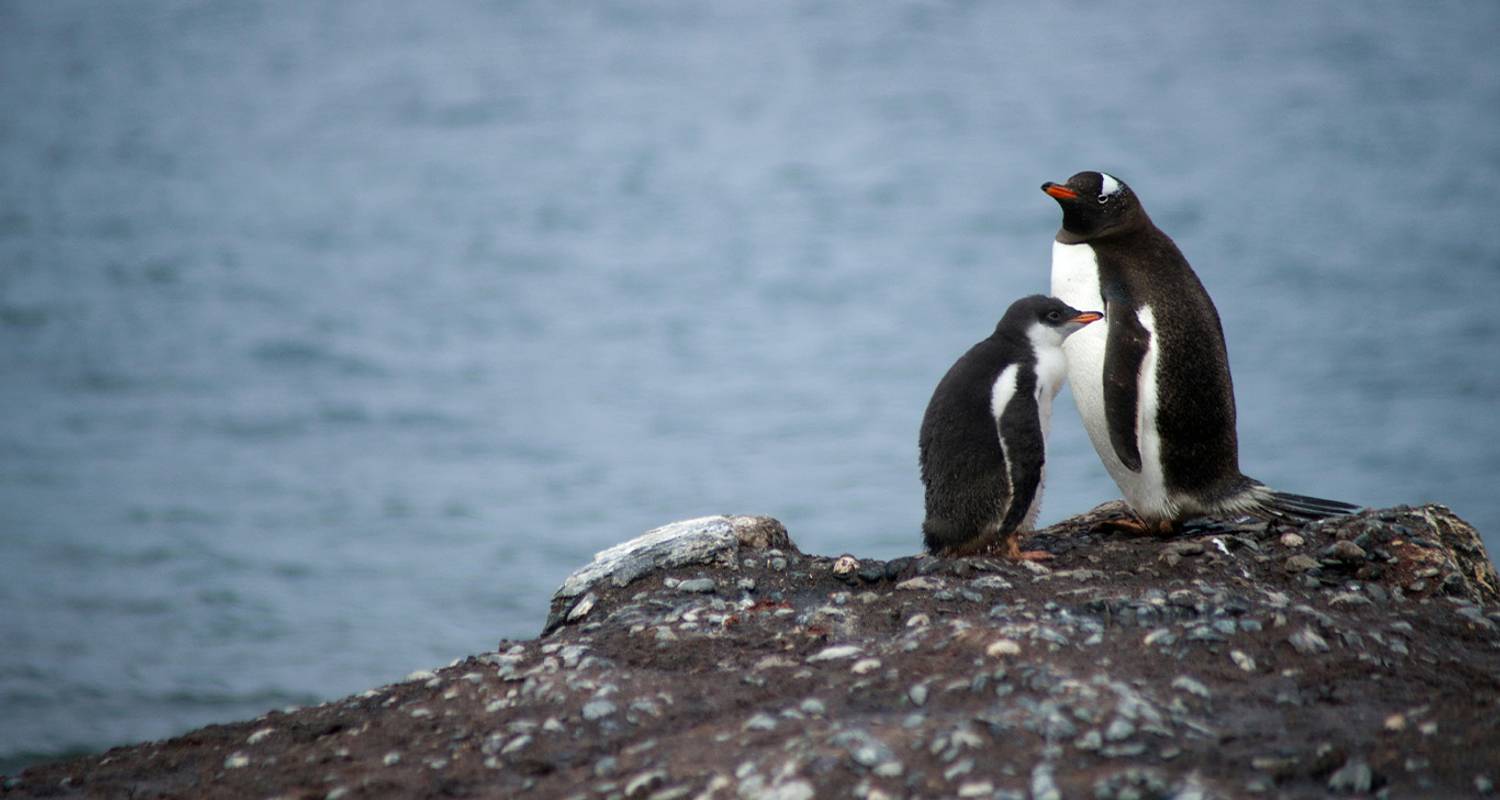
<point x="1356" y="656"/>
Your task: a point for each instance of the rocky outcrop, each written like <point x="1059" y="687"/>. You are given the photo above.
<point x="711" y="659"/>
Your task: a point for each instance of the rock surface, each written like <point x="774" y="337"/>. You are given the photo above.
<point x="711" y="659"/>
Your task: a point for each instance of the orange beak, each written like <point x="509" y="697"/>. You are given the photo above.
<point x="1088" y="316"/>
<point x="1059" y="191"/>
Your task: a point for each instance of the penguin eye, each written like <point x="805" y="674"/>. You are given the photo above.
<point x="1054" y="316"/>
<point x="1103" y="198"/>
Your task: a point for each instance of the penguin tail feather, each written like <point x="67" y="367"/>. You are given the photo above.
<point x="1307" y="508"/>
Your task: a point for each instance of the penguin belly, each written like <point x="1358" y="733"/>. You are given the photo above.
<point x="1075" y="281"/>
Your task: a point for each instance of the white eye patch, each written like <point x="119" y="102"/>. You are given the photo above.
<point x="1108" y="185"/>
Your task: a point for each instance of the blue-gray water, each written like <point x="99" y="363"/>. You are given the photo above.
<point x="333" y="335"/>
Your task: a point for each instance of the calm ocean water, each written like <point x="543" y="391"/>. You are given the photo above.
<point x="333" y="335"/>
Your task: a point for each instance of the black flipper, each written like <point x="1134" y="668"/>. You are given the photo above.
<point x="1020" y="430"/>
<point x="1124" y="352"/>
<point x="1304" y="507"/>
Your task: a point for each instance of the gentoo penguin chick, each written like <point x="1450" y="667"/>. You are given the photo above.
<point x="1152" y="384"/>
<point x="984" y="436"/>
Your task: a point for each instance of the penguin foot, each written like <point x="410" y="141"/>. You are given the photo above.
<point x="1135" y="526"/>
<point x="1014" y="552"/>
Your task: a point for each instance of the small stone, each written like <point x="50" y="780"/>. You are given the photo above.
<point x="1002" y="647"/>
<point x="1483" y="785"/>
<point x="1292" y="540"/>
<point x="1428" y="728"/>
<point x="1354" y="777"/>
<point x="236" y="760"/>
<point x="760" y="722"/>
<point x="598" y="709"/>
<point x="958" y="770"/>
<point x="645" y="782"/>
<point x="698" y="586"/>
<point x="1119" y="730"/>
<point x="1160" y="636"/>
<point x="607" y="766"/>
<point x="1395" y="722"/>
<point x="516" y="744"/>
<point x="1090" y="740"/>
<point x="1242" y="660"/>
<point x="1307" y="641"/>
<point x="1043" y="787"/>
<point x="813" y="707"/>
<point x="865" y="665"/>
<point x="258" y="736"/>
<point x="976" y="789"/>
<point x="1345" y="551"/>
<point x="1190" y="686"/>
<point x="421" y="675"/>
<point x="921" y="583"/>
<point x="918" y="694"/>
<point x="745" y="584"/>
<point x="889" y="769"/>
<point x="391" y="759"/>
<point x="918" y="621"/>
<point x="1300" y="563"/>
<point x="582" y="607"/>
<point x="845" y="565"/>
<point x="835" y="652"/>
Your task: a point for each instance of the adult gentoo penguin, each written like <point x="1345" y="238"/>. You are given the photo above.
<point x="983" y="443"/>
<point x="1152" y="384"/>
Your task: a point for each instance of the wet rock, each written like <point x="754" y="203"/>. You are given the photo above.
<point x="808" y="688"/>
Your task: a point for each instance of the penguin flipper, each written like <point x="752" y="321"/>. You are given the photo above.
<point x="1025" y="446"/>
<point x="1124" y="352"/>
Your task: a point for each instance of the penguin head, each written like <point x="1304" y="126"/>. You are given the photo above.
<point x="1046" y="321"/>
<point x="1095" y="204"/>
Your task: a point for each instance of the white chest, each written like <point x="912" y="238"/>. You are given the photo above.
<point x="1075" y="281"/>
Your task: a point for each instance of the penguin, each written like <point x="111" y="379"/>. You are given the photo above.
<point x="1152" y="383"/>
<point x="983" y="441"/>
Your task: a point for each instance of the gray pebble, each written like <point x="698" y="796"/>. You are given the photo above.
<point x="1119" y="730"/>
<point x="760" y="722"/>
<point x="605" y="767"/>
<point x="698" y="586"/>
<point x="918" y="694"/>
<point x="1307" y="641"/>
<point x="1190" y="686"/>
<point x="1345" y="551"/>
<point x="1043" y="787"/>
<point x="1483" y="785"/>
<point x="1090" y="740"/>
<point x="1355" y="777"/>
<point x="1300" y="563"/>
<point x="598" y="709"/>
